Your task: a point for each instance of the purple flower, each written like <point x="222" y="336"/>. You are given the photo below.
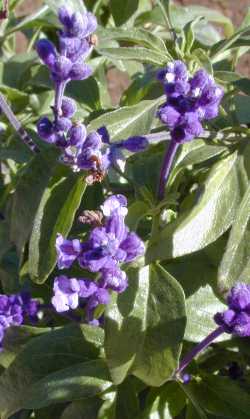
<point x="190" y="100"/>
<point x="114" y="278"/>
<point x="169" y="115"/>
<point x="115" y="203"/>
<point x="188" y="128"/>
<point x="109" y="244"/>
<point x="66" y="293"/>
<point x="14" y="309"/>
<point x="46" y="130"/>
<point x="133" y="247"/>
<point x="236" y="319"/>
<point x="67" y="251"/>
<point x="239" y="297"/>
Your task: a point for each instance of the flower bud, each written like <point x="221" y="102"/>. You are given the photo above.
<point x="135" y="144"/>
<point x="65" y="15"/>
<point x="69" y="107"/>
<point x="63" y="124"/>
<point x="61" y="68"/>
<point x="80" y="71"/>
<point x="77" y="134"/>
<point x="45" y="130"/>
<point x="93" y="140"/>
<point x="79" y="24"/>
<point x="46" y="52"/>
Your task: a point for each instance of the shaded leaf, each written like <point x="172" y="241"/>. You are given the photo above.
<point x="42" y="357"/>
<point x="209" y="218"/>
<point x="235" y="265"/>
<point x="144" y="327"/>
<point x="127" y="121"/>
<point x="55" y="214"/>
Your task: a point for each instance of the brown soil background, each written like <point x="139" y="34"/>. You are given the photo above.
<point x="118" y="81"/>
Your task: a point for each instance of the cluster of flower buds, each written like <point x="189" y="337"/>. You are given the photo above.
<point x="110" y="243"/>
<point x="190" y="100"/>
<point x="14" y="309"/>
<point x="236" y="319"/>
<point x="90" y="152"/>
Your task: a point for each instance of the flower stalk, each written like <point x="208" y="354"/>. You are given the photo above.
<point x="198" y="348"/>
<point x="17" y="125"/>
<point x="166" y="167"/>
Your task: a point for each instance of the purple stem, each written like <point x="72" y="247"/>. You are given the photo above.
<point x="198" y="348"/>
<point x="59" y="91"/>
<point x="166" y="166"/>
<point x="17" y="125"/>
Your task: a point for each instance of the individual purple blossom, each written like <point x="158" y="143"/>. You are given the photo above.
<point x="67" y="251"/>
<point x="115" y="203"/>
<point x="236" y="319"/>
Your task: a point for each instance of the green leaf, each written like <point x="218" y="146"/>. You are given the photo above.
<point x="208" y="219"/>
<point x="27" y="196"/>
<point x="141" y="54"/>
<point x="222" y="396"/>
<point x="127" y="121"/>
<point x="165" y="403"/>
<point x="197" y="275"/>
<point x="229" y="43"/>
<point x="127" y="402"/>
<point x="43" y="366"/>
<point x="235" y="265"/>
<point x="189" y="35"/>
<point x="122" y="11"/>
<point x="83" y="409"/>
<point x="55" y="214"/>
<point x="197" y="407"/>
<point x="79" y="381"/>
<point x="144" y="327"/>
<point x="243" y="84"/>
<point x="135" y="35"/>
<point x="195" y="152"/>
<point x="86" y="93"/>
<point x="242" y="104"/>
<point x="182" y="15"/>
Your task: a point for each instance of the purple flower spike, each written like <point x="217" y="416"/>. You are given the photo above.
<point x="67" y="251"/>
<point x="190" y="100"/>
<point x="109" y="244"/>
